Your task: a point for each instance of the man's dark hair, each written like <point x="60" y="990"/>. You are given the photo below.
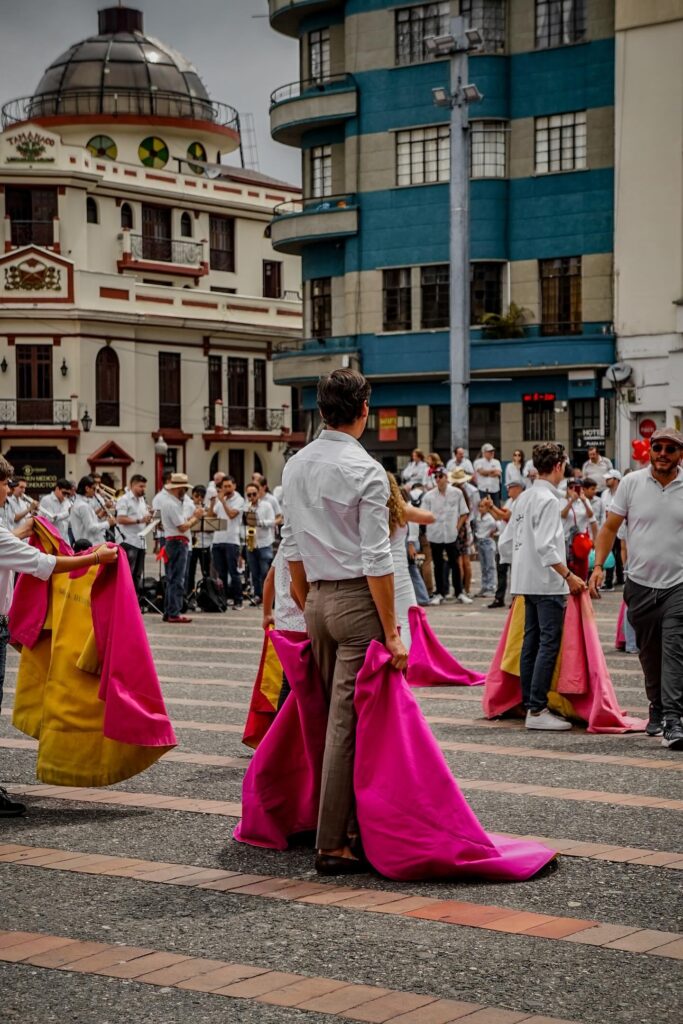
<point x="228" y="479"/>
<point x="168" y="473"/>
<point x="19" y="480"/>
<point x="199" y="489"/>
<point x="546" y="456"/>
<point x="341" y="396"/>
<point x="63" y="484"/>
<point x="6" y="469"/>
<point x="85" y="481"/>
<point x="589" y="483"/>
<point x="138" y="478"/>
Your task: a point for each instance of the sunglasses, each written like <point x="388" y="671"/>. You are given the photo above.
<point x="252" y="494"/>
<point x="669" y="449"/>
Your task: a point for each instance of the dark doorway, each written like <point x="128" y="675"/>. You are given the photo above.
<point x="236" y="466"/>
<point x="156" y="233"/>
<point x="34" y="384"/>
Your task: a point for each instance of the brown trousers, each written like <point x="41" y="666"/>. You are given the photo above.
<point x="341" y="619"/>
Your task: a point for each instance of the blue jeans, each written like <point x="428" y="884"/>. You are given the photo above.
<point x="543" y="621"/>
<point x="4" y="640"/>
<point x="176" y="573"/>
<point x="259" y="563"/>
<point x="225" y="557"/>
<point x="421" y="595"/>
<point x="487" y="560"/>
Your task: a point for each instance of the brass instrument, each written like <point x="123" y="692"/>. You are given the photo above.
<point x="251" y="523"/>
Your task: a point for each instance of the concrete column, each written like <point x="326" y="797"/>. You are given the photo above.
<point x="424" y="428"/>
<point x="511" y="430"/>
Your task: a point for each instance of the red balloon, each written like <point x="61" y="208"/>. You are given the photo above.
<point x="641" y="449"/>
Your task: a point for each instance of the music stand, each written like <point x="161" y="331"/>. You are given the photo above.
<point x="207" y="524"/>
<point x="145" y="601"/>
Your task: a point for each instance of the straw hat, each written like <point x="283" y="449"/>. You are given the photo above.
<point x="458" y="476"/>
<point x="177" y="480"/>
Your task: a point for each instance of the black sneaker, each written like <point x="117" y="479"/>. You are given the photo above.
<point x="10" y="808"/>
<point x="673" y="734"/>
<point x="655" y="722"/>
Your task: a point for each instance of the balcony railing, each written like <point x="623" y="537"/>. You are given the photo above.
<point x="52" y="412"/>
<point x="311" y="87"/>
<point x="318" y="204"/>
<point x="238" y="418"/>
<point x="165" y="250"/>
<point x="32" y="232"/>
<point x="119" y="102"/>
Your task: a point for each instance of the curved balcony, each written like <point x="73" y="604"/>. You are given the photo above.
<point x="299" y="106"/>
<point x="299" y="222"/>
<point x="286" y="15"/>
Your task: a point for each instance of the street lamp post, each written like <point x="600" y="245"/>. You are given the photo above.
<point x="160" y="450"/>
<point x="457" y="45"/>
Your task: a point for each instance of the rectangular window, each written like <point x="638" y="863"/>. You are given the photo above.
<point x="560" y="22"/>
<point x="435" y="289"/>
<point x="489" y="17"/>
<point x="561" y="142"/>
<point x="222" y="243"/>
<point x="321" y="307"/>
<point x="31" y="212"/>
<point x="169" y="390"/>
<point x="539" y="420"/>
<point x="215" y="380"/>
<point x="238" y="392"/>
<point x="272" y="279"/>
<point x="321" y="171"/>
<point x="156" y="233"/>
<point x="561" y="295"/>
<point x="423" y="155"/>
<point x="260" y="402"/>
<point x="487" y="149"/>
<point x="34" y="384"/>
<point x="397" y="299"/>
<point x="319" y="55"/>
<point x="414" y="25"/>
<point x="586" y="413"/>
<point x="486" y="290"/>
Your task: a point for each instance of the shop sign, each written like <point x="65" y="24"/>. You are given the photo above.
<point x="388" y="425"/>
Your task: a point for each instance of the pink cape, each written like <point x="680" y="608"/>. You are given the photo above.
<point x="429" y="663"/>
<point x="413" y="819"/>
<point x="31" y="595"/>
<point x="584" y="678"/>
<point x="620" y="638"/>
<point x="281" y="788"/>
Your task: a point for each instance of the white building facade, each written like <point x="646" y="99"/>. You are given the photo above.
<point x="140" y="297"/>
<point x="648" y="251"/>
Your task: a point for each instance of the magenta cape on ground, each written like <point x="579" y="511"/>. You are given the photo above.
<point x="620" y="637"/>
<point x="584" y="678"/>
<point x="429" y="663"/>
<point x="414" y="821"/>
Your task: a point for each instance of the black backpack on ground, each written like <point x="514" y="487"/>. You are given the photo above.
<point x="210" y="595"/>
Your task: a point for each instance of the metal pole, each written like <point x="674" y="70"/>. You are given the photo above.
<point x="459" y="339"/>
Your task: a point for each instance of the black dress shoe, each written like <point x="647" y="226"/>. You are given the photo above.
<point x="326" y="864"/>
<point x="496" y="604"/>
<point x="10" y="808"/>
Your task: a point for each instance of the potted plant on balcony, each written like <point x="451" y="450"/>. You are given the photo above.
<point x="506" y="325"/>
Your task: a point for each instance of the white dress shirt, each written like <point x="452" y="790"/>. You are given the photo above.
<point x="596" y="471"/>
<point x="265" y="522"/>
<point x="533" y="540"/>
<point x="465" y="464"/>
<point x="337" y="520"/>
<point x="286" y="612"/>
<point x="57" y="512"/>
<point x="447" y="507"/>
<point x="134" y="508"/>
<point x="84" y="522"/>
<point x="15" y="556"/>
<point x="514" y="475"/>
<point x="273" y="502"/>
<point x="229" y="532"/>
<point x="489" y="484"/>
<point x="415" y="473"/>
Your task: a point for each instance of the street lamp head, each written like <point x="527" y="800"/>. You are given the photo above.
<point x="471" y="94"/>
<point x="441" y="97"/>
<point x="86" y="422"/>
<point x="441" y="46"/>
<point x="474" y="38"/>
<point x="160" y="446"/>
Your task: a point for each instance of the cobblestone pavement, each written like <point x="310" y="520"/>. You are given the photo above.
<point x="133" y="904"/>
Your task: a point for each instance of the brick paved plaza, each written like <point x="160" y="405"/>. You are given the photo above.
<point x="133" y="904"/>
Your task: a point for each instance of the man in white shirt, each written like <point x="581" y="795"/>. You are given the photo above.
<point x="503" y="516"/>
<point x="213" y="487"/>
<point x="460" y="461"/>
<point x="266" y="495"/>
<point x="258" y="518"/>
<point x="228" y="507"/>
<point x="416" y="470"/>
<point x="448" y="505"/>
<point x="533" y="541"/>
<point x="86" y="526"/>
<point x="176" y="522"/>
<point x="612" y="481"/>
<point x="595" y="467"/>
<point x="56" y="507"/>
<point x="132" y="516"/>
<point x="336" y="541"/>
<point x="17" y="500"/>
<point x="488" y="473"/>
<point x="16" y="556"/>
<point x="650" y="501"/>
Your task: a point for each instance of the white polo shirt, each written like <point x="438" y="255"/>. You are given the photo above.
<point x="533" y="541"/>
<point x="655" y="521"/>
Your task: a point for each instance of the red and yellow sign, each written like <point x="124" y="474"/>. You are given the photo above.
<point x="388" y="425"/>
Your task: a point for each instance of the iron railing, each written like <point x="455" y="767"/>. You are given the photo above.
<point x="32" y="232"/>
<point x="53" y="412"/>
<point x="238" y="417"/>
<point x="166" y="250"/>
<point x="137" y="102"/>
<point x="312" y="87"/>
<point x="317" y="204"/>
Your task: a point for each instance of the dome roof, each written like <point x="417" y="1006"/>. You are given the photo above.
<point x="121" y="70"/>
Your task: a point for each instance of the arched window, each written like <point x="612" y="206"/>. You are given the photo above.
<point x="126" y="216"/>
<point x="91" y="211"/>
<point x="107" y="388"/>
<point x="186" y="226"/>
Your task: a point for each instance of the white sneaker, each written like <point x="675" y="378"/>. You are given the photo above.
<point x="435" y="600"/>
<point x="547" y="721"/>
<point x="463" y="598"/>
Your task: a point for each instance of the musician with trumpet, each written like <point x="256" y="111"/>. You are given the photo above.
<point x="259" y="526"/>
<point x="85" y="523"/>
<point x="132" y="516"/>
<point x="56" y="506"/>
<point x="20" y="505"/>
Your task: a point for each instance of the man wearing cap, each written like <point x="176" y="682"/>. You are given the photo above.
<point x="450" y="510"/>
<point x="503" y="516"/>
<point x="488" y="472"/>
<point x="612" y="481"/>
<point x="176" y="526"/>
<point x="651" y="502"/>
<point x="595" y="467"/>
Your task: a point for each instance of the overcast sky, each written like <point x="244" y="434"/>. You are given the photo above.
<point x="239" y="57"/>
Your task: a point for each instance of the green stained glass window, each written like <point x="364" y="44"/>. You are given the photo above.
<point x="153" y="152"/>
<point x="196" y="150"/>
<point x="103" y="146"/>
